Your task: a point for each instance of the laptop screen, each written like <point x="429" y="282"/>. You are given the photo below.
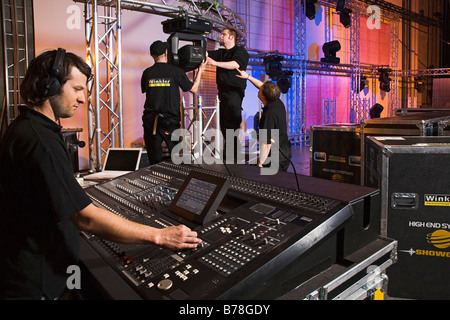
<point x="122" y="159"/>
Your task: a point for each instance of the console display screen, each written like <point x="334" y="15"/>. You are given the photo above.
<point x="196" y="195"/>
<point x="199" y="197"/>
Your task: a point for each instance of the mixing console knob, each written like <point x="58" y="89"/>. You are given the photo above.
<point x="249" y="237"/>
<point x="261" y="242"/>
<point x="273" y="223"/>
<point x="165" y="284"/>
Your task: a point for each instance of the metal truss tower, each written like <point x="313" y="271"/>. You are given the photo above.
<point x="297" y="109"/>
<point x="394" y="94"/>
<point x="355" y="61"/>
<point x="103" y="52"/>
<point x="17" y="47"/>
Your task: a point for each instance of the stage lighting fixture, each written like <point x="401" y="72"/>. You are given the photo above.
<point x="285" y="81"/>
<point x="375" y="111"/>
<point x="345" y="18"/>
<point x="329" y="50"/>
<point x="310" y="9"/>
<point x="385" y="81"/>
<point x="188" y="29"/>
<point x="272" y="64"/>
<point x="419" y="84"/>
<point x="340" y="6"/>
<point x="363" y="82"/>
<point x="187" y="24"/>
<point x="190" y="56"/>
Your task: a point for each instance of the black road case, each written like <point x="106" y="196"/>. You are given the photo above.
<point x="413" y="175"/>
<point x="409" y="124"/>
<point x="335" y="152"/>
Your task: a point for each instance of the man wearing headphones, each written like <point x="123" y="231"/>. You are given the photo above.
<point x="42" y="206"/>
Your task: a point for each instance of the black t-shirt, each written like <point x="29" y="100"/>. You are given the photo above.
<point x="226" y="79"/>
<point x="274" y="117"/>
<point x="161" y="83"/>
<point x="38" y="195"/>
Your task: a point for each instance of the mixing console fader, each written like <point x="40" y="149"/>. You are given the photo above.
<point x="255" y="236"/>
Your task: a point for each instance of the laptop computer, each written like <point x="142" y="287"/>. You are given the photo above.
<point x="118" y="161"/>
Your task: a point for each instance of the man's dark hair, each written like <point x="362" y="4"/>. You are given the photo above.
<point x="41" y="68"/>
<point x="233" y="33"/>
<point x="271" y="91"/>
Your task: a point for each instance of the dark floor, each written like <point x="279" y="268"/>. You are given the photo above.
<point x="300" y="158"/>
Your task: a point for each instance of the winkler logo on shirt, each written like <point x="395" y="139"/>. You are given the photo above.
<point x="159" y="83"/>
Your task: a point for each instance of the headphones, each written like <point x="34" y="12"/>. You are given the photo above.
<point x="51" y="85"/>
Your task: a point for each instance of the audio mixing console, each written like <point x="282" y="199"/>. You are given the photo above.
<point x="258" y="240"/>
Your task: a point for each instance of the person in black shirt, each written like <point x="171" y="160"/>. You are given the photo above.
<point x="42" y="206"/>
<point x="273" y="117"/>
<point x="161" y="84"/>
<point x="231" y="89"/>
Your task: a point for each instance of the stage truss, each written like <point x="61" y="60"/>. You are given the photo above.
<point x="103" y="51"/>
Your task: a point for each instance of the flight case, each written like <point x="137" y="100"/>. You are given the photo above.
<point x="408" y="124"/>
<point x="412" y="174"/>
<point x="336" y="152"/>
